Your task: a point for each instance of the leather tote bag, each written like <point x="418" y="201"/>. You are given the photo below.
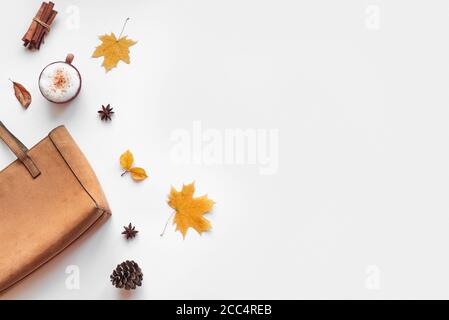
<point x="49" y="197"/>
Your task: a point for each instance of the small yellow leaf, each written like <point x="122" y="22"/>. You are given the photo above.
<point x="126" y="160"/>
<point x="138" y="174"/>
<point x="189" y="211"/>
<point x="113" y="50"/>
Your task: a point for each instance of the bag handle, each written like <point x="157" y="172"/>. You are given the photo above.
<point x="19" y="149"/>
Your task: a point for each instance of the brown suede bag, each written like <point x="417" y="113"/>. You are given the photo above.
<point x="49" y="197"/>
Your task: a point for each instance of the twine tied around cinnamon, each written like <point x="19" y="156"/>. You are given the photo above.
<point x="42" y="23"/>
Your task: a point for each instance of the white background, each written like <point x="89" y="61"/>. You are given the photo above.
<point x="359" y="205"/>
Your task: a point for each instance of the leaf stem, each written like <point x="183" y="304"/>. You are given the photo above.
<point x="123" y="29"/>
<point x="124" y="172"/>
<point x="165" y="227"/>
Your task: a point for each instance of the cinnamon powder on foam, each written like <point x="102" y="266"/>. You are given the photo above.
<point x="60" y="80"/>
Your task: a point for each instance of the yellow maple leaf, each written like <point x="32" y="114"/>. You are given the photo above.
<point x="126" y="161"/>
<point x="114" y="49"/>
<point x="189" y="211"/>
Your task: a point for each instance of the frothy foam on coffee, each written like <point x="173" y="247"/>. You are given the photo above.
<point x="59" y="82"/>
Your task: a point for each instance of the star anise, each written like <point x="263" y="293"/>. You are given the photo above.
<point x="106" y="112"/>
<point x="130" y="231"/>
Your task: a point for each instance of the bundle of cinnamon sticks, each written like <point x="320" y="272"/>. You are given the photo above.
<point x="40" y="26"/>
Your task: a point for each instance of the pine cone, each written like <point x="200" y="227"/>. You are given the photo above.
<point x="127" y="275"/>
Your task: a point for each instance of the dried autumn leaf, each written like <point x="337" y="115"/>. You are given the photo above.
<point x="126" y="160"/>
<point x="138" y="173"/>
<point x="189" y="211"/>
<point x="113" y="50"/>
<point x="22" y="94"/>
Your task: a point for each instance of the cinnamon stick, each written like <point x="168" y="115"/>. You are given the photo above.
<point x="38" y="29"/>
<point x="49" y="22"/>
<point x="32" y="29"/>
<point x="44" y="18"/>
